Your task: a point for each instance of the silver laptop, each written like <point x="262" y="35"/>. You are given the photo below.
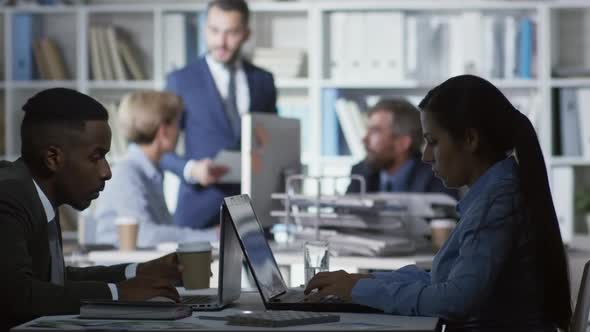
<point x="230" y="270"/>
<point x="271" y="285"/>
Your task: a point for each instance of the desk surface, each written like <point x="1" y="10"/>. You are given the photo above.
<point x="248" y="301"/>
<point x="283" y="258"/>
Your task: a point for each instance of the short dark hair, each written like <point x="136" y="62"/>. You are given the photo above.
<point x="405" y="120"/>
<point x="54" y="113"/>
<point x="232" y="5"/>
<point x="470" y="102"/>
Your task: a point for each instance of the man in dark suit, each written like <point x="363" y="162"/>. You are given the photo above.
<point x="65" y="137"/>
<point x="393" y="143"/>
<point x="216" y="90"/>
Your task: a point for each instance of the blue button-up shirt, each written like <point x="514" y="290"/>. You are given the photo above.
<point x="398" y="181"/>
<point x="136" y="190"/>
<point x="483" y="276"/>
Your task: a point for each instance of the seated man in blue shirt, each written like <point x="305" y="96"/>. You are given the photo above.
<point x="149" y="120"/>
<point x="393" y="143"/>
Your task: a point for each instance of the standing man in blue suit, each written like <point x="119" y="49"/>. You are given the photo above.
<point x="216" y="90"/>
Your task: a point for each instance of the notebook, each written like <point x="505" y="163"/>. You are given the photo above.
<point x="133" y="310"/>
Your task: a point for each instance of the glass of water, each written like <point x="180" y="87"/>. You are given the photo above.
<point x="316" y="256"/>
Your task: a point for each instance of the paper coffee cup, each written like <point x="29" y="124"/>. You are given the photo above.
<point x="441" y="230"/>
<point x="127" y="228"/>
<point x="195" y="258"/>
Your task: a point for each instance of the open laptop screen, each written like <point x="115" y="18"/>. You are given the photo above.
<point x="256" y="249"/>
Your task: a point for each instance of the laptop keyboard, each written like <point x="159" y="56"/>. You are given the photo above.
<point x="298" y="297"/>
<point x="197" y="299"/>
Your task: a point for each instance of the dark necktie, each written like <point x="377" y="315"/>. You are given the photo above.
<point x="57" y="258"/>
<point x="231" y="108"/>
<point x="389" y="185"/>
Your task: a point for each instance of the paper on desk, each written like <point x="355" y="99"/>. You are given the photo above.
<point x="233" y="160"/>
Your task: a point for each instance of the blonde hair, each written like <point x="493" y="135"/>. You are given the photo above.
<point x="141" y="113"/>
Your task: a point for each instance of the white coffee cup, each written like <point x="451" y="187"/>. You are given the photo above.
<point x="441" y="230"/>
<point x="127" y="228"/>
<point x="195" y="258"/>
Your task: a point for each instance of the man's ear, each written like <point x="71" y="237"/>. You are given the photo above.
<point x="247" y="34"/>
<point x="53" y="158"/>
<point x="472" y="140"/>
<point x="404" y="143"/>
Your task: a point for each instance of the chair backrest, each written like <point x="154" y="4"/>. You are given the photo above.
<point x="580" y="318"/>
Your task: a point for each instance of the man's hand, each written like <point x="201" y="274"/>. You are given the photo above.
<point x="339" y="283"/>
<point x="205" y="172"/>
<point x="143" y="288"/>
<point x="165" y="267"/>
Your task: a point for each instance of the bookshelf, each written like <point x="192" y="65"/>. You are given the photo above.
<point x="559" y="38"/>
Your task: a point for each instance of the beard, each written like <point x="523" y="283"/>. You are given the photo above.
<point x="377" y="163"/>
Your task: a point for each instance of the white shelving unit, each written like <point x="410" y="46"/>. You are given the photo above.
<point x="305" y="25"/>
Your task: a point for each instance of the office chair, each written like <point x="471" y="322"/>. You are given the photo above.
<point x="580" y="317"/>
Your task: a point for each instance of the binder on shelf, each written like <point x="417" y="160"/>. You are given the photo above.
<point x="338" y="44"/>
<point x="131" y="59"/>
<point x="472" y="35"/>
<point x="353" y="126"/>
<point x="297" y="107"/>
<point x="385" y="38"/>
<point x="201" y="28"/>
<point x="175" y="43"/>
<point x="563" y="198"/>
<point x="330" y="127"/>
<point x="569" y="123"/>
<point x="54" y="59"/>
<point x="104" y="54"/>
<point x="525" y="48"/>
<point x="355" y="52"/>
<point x="118" y="71"/>
<point x="583" y="103"/>
<point x="23" y="33"/>
<point x="40" y="61"/>
<point x="192" y="38"/>
<point x="510" y="38"/>
<point x="95" y="61"/>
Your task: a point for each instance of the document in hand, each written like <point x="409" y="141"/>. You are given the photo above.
<point x="133" y="310"/>
<point x="233" y="161"/>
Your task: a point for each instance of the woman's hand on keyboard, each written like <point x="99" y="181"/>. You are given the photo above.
<point x="339" y="284"/>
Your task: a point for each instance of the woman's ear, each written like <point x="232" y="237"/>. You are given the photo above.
<point x="472" y="140"/>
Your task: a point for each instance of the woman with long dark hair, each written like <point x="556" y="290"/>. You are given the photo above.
<point x="504" y="265"/>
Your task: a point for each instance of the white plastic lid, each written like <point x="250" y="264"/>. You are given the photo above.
<point x="126" y="220"/>
<point x="197" y="246"/>
<point x="442" y="223"/>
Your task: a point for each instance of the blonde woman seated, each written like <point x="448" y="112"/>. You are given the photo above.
<point x="149" y="120"/>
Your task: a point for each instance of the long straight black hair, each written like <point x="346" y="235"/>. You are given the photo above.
<point x="468" y="101"/>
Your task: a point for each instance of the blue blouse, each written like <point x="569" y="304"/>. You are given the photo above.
<point x="483" y="276"/>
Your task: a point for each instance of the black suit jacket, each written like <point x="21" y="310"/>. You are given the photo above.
<point x="26" y="261"/>
<point x="421" y="179"/>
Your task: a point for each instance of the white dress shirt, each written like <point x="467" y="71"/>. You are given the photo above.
<point x="130" y="270"/>
<point x="221" y="78"/>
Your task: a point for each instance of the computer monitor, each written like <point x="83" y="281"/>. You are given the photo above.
<point x="270" y="150"/>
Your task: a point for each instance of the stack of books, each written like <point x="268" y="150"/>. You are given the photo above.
<point x="112" y="56"/>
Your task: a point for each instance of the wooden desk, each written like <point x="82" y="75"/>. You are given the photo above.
<point x="251" y="301"/>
